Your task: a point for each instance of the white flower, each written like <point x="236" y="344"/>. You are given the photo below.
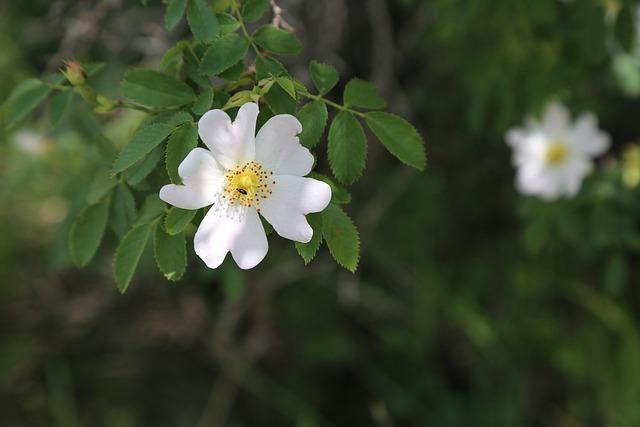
<point x="554" y="156"/>
<point x="243" y="175"/>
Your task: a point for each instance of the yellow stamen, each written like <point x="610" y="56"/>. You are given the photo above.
<point x="557" y="153"/>
<point x="247" y="184"/>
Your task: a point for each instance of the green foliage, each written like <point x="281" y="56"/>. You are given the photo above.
<point x="154" y="89"/>
<point x="87" y="231"/>
<point x="123" y="210"/>
<point x="309" y="250"/>
<point x="341" y="236"/>
<point x="252" y="10"/>
<point x="102" y="183"/>
<point x="128" y="255"/>
<point x="347" y="148"/>
<point x="359" y="93"/>
<point x="203" y="103"/>
<point x="324" y="76"/>
<point x="142" y="143"/>
<point x="224" y="52"/>
<point x="175" y="11"/>
<point x="313" y="117"/>
<point x="182" y="141"/>
<point x="277" y="41"/>
<point x="399" y="137"/>
<point x="202" y="21"/>
<point x="24" y="99"/>
<point x="178" y="219"/>
<point x="170" y="252"/>
<point x="58" y="106"/>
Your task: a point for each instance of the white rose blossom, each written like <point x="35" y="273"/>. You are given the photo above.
<point x="555" y="155"/>
<point x="243" y="175"/>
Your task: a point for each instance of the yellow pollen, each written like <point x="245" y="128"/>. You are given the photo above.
<point x="247" y="184"/>
<point x="557" y="153"/>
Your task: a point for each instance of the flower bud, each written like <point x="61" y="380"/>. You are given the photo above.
<point x="74" y="72"/>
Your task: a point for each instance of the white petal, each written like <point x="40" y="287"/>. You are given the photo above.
<point x="516" y="136"/>
<point x="556" y="120"/>
<point x="184" y="197"/>
<point x="293" y="197"/>
<point x="203" y="180"/>
<point x="278" y="147"/>
<point x="232" y="144"/>
<point x="587" y="138"/>
<point x="242" y="235"/>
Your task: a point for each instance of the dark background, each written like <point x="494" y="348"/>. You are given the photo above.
<point x="472" y="305"/>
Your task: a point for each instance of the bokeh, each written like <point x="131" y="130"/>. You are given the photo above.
<point x="473" y="305"/>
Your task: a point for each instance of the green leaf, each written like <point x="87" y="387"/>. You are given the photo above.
<point x="347" y="148"/>
<point x="202" y="21"/>
<point x="341" y="236"/>
<point x="287" y="84"/>
<point x="227" y="23"/>
<point x="399" y="137"/>
<point x="87" y="231"/>
<point x="170" y="252"/>
<point x="279" y="101"/>
<point x="170" y="118"/>
<point x="123" y="210"/>
<point x="58" y="106"/>
<point x="155" y="89"/>
<point x="339" y="194"/>
<point x="233" y="73"/>
<point x="224" y="52"/>
<point x="178" y="219"/>
<point x="252" y="10"/>
<point x="24" y="99"/>
<point x="102" y="183"/>
<point x="276" y="40"/>
<point x="625" y="29"/>
<point x="359" y="93"/>
<point x="324" y="76"/>
<point x="173" y="15"/>
<point x="308" y="250"/>
<point x="152" y="208"/>
<point x="135" y="174"/>
<point x="128" y="255"/>
<point x="267" y="67"/>
<point x="203" y="103"/>
<point x="313" y="117"/>
<point x="142" y="143"/>
<point x="182" y="141"/>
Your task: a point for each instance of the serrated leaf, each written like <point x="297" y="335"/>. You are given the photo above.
<point x="252" y="10"/>
<point x="155" y="89"/>
<point x="313" y="117"/>
<point x="399" y="137"/>
<point x="308" y="250"/>
<point x="287" y="84"/>
<point x="170" y="252"/>
<point x="152" y="208"/>
<point x="142" y="143"/>
<point x="233" y="73"/>
<point x="279" y="101"/>
<point x="178" y="219"/>
<point x="87" y="231"/>
<point x="24" y="99"/>
<point x="202" y="21"/>
<point x="123" y="210"/>
<point x="267" y="67"/>
<point x="347" y="148"/>
<point x="170" y="118"/>
<point x="339" y="194"/>
<point x="359" y="93"/>
<point x="173" y="15"/>
<point x="324" y="76"/>
<point x="139" y="171"/>
<point x="58" y="106"/>
<point x="203" y="102"/>
<point x="182" y="141"/>
<point x="227" y="23"/>
<point x="102" y="183"/>
<point x="224" y="52"/>
<point x="128" y="255"/>
<point x="341" y="236"/>
<point x="277" y="40"/>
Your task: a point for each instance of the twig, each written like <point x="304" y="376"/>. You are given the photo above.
<point x="278" y="20"/>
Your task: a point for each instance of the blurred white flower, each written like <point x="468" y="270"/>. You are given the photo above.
<point x="29" y="141"/>
<point x="243" y="174"/>
<point x="554" y="156"/>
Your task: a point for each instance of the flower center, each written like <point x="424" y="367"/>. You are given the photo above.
<point x="557" y="153"/>
<point x="248" y="184"/>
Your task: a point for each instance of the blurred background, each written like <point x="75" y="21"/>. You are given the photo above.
<point x="472" y="305"/>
